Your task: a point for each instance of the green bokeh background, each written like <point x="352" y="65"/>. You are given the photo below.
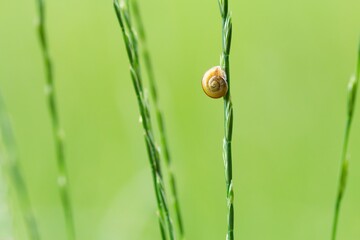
<point x="291" y="61"/>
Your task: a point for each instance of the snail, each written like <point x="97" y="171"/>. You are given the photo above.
<point x="214" y="82"/>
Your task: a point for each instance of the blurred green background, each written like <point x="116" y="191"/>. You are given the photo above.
<point x="291" y="61"/>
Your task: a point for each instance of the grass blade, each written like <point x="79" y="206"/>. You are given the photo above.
<point x="228" y="115"/>
<point x="131" y="44"/>
<point x="10" y="163"/>
<point x="159" y="116"/>
<point x="352" y="92"/>
<point x="58" y="133"/>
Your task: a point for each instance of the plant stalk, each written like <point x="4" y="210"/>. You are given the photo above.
<point x="11" y="166"/>
<point x="228" y="115"/>
<point x="131" y="45"/>
<point x="352" y="92"/>
<point x="58" y="134"/>
<point x="159" y="116"/>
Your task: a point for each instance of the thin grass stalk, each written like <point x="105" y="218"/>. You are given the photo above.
<point x="12" y="170"/>
<point x="228" y="114"/>
<point x="352" y="92"/>
<point x="159" y="116"/>
<point x="131" y="45"/>
<point x="58" y="133"/>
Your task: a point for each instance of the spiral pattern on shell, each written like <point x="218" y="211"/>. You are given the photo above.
<point x="214" y="82"/>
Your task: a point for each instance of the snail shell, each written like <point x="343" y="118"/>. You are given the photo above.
<point x="214" y="82"/>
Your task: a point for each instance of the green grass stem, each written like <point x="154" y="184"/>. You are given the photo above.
<point x="159" y="116"/>
<point x="131" y="44"/>
<point x="58" y="133"/>
<point x="10" y="163"/>
<point x="228" y="114"/>
<point x="352" y="92"/>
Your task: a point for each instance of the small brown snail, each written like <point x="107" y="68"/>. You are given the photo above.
<point x="214" y="82"/>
